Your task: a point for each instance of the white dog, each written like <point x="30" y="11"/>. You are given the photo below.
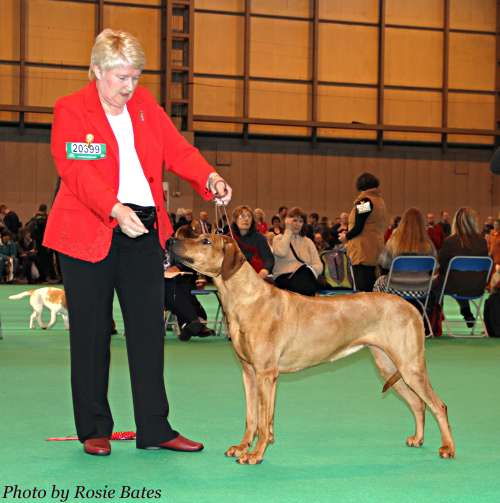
<point x="53" y="299"/>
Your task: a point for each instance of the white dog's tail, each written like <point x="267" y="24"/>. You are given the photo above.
<point x="27" y="293"/>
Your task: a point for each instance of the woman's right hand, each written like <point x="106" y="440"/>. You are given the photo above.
<point x="288" y="223"/>
<point x="129" y="222"/>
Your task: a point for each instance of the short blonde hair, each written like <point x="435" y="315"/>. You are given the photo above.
<point x="114" y="48"/>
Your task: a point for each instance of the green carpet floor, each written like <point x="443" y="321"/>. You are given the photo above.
<point x="337" y="438"/>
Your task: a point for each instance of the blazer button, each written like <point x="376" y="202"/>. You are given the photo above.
<point x="158" y="208"/>
<point x="151" y="179"/>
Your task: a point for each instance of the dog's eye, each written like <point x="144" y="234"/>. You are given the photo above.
<point x="206" y="241"/>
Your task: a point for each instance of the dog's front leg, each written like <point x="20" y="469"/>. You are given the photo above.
<point x="266" y="392"/>
<point x="250" y="383"/>
<point x="52" y="321"/>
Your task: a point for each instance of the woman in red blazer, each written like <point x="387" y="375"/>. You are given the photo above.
<point x="110" y="141"/>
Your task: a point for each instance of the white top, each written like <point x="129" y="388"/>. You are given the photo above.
<point x="133" y="188"/>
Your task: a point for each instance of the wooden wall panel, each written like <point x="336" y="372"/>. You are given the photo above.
<point x="413" y="58"/>
<point x="472" y="61"/>
<point x="60" y="32"/>
<point x="347" y="104"/>
<point x="415" y="13"/>
<point x="218" y="97"/>
<point x="471" y="111"/>
<point x="218" y="44"/>
<point x="293" y="8"/>
<point x="473" y="14"/>
<point x="9" y="28"/>
<point x="348" y="53"/>
<point x="224" y="5"/>
<point x="143" y="23"/>
<point x="274" y="100"/>
<point x="143" y="2"/>
<point x="406" y="108"/>
<point x="270" y="174"/>
<point x="349" y="10"/>
<point x="280" y="48"/>
<point x="9" y="90"/>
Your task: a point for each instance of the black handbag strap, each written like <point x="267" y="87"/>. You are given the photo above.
<point x="295" y="254"/>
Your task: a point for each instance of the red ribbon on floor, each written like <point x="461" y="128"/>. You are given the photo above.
<point x="117" y="435"/>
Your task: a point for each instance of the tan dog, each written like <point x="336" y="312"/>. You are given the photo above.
<point x="53" y="299"/>
<point x="276" y="331"/>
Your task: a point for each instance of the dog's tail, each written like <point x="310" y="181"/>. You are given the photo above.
<point x="27" y="293"/>
<point x="391" y="381"/>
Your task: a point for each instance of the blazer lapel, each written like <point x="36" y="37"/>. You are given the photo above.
<point x="98" y="120"/>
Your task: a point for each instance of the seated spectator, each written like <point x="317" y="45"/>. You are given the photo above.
<point x="28" y="256"/>
<point x="297" y="263"/>
<point x="260" y="221"/>
<point x="8" y="257"/>
<point x="206" y="226"/>
<point x="488" y="226"/>
<point x="445" y="223"/>
<point x="10" y="220"/>
<point x="409" y="238"/>
<point x="493" y="240"/>
<point x="392" y="227"/>
<point x="312" y="225"/>
<point x="36" y="225"/>
<point x="253" y="244"/>
<point x="275" y="230"/>
<point x="179" y="282"/>
<point x="435" y="231"/>
<point x="282" y="213"/>
<point x="319" y="242"/>
<point x="465" y="239"/>
<point x="339" y="227"/>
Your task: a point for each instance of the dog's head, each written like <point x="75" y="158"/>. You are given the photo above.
<point x="208" y="254"/>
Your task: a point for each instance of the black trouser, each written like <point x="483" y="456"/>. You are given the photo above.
<point x="180" y="300"/>
<point x="134" y="267"/>
<point x="364" y="277"/>
<point x="301" y="281"/>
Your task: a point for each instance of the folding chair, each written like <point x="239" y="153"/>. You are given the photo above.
<point x="171" y="322"/>
<point x="462" y="269"/>
<point x="219" y="321"/>
<point x="405" y="280"/>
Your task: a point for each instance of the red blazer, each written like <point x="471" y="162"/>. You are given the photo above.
<point x="79" y="224"/>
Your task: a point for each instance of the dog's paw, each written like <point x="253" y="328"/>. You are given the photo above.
<point x="235" y="451"/>
<point x="447" y="452"/>
<point x="414" y="441"/>
<point x="249" y="459"/>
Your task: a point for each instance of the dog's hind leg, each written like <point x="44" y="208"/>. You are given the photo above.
<point x="266" y="391"/>
<point x="250" y="383"/>
<point x="415" y="375"/>
<point x="32" y="319"/>
<point x="417" y="406"/>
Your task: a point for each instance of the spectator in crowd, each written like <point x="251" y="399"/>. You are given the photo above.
<point x="252" y="243"/>
<point x="28" y="256"/>
<point x="493" y="239"/>
<point x="10" y="220"/>
<point x="282" y="212"/>
<point x="339" y="227"/>
<point x="319" y="242"/>
<point x="260" y="221"/>
<point x="465" y="239"/>
<point x="435" y="231"/>
<point x="392" y="227"/>
<point x="180" y="281"/>
<point x="37" y="225"/>
<point x="297" y="264"/>
<point x="365" y="238"/>
<point x="445" y="223"/>
<point x="223" y="224"/>
<point x="275" y="229"/>
<point x="8" y="257"/>
<point x="488" y="226"/>
<point x="312" y="225"/>
<point x="409" y="238"/>
<point x="206" y="226"/>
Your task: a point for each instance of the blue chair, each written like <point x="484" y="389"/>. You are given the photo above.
<point x="410" y="277"/>
<point x="462" y="269"/>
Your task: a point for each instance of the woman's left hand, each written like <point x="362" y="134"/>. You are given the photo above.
<point x="220" y="189"/>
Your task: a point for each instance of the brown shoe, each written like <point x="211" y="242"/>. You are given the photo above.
<point x="179" y="443"/>
<point x="97" y="446"/>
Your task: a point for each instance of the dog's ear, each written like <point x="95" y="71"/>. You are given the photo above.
<point x="233" y="259"/>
